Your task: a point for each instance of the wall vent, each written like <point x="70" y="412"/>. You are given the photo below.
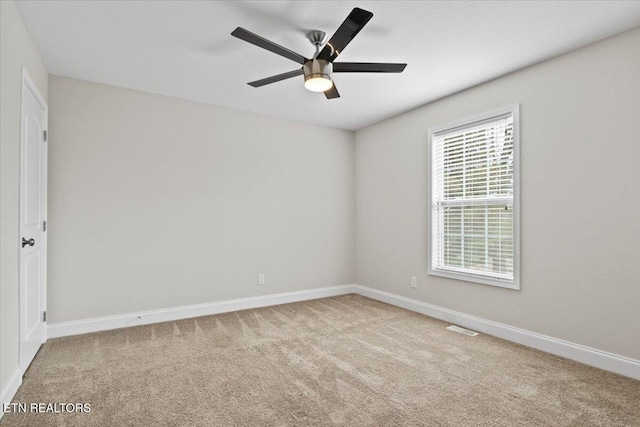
<point x="462" y="331"/>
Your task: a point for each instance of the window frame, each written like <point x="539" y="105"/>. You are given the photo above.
<point x="461" y="124"/>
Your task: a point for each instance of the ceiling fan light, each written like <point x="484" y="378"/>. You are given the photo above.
<point x="317" y="75"/>
<point x="318" y="84"/>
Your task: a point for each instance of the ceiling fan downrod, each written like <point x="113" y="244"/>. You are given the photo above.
<point x="318" y="39"/>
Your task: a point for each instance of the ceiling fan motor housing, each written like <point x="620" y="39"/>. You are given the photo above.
<point x="317" y="69"/>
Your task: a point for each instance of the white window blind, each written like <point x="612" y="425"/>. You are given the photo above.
<point x="472" y="200"/>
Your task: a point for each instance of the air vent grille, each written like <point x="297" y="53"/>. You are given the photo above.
<point x="462" y="331"/>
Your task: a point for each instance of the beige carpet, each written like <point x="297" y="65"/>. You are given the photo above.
<point x="345" y="360"/>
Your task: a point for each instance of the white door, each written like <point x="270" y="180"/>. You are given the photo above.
<point x="33" y="211"/>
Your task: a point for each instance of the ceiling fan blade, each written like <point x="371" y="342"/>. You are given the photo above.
<point x="332" y="93"/>
<point x="345" y="33"/>
<point x="367" y="67"/>
<point x="255" y="39"/>
<point x="276" y="78"/>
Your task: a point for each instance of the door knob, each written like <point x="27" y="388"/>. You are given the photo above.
<point x="29" y="242"/>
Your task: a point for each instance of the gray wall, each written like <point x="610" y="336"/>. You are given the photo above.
<point x="16" y="50"/>
<point x="580" y="220"/>
<point x="156" y="202"/>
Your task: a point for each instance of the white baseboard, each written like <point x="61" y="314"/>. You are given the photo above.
<point x="61" y="329"/>
<point x="9" y="390"/>
<point x="587" y="355"/>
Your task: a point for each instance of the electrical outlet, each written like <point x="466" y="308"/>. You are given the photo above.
<point x="414" y="282"/>
<point x="260" y="279"/>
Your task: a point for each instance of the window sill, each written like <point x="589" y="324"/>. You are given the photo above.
<point x="476" y="278"/>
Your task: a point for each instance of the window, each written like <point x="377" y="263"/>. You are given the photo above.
<point x="474" y="199"/>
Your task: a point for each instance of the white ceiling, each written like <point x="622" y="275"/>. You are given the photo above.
<point x="184" y="48"/>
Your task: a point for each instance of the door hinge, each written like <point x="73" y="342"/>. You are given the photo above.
<point x="44" y="225"/>
<point x="45" y="135"/>
<point x="44" y="316"/>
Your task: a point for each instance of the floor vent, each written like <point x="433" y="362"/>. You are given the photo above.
<point x="462" y="331"/>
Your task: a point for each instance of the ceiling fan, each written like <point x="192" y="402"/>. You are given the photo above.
<point x="318" y="71"/>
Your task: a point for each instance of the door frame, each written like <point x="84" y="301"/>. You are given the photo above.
<point x="27" y="84"/>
